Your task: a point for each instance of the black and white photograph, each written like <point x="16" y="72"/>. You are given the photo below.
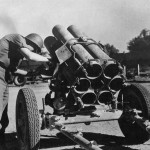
<point x="74" y="74"/>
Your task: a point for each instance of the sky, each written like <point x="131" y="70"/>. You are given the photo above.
<point x="110" y="21"/>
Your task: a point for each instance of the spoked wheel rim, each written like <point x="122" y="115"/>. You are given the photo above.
<point x="132" y="102"/>
<point x="135" y="98"/>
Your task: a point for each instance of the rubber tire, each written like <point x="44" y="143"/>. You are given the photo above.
<point x="27" y="120"/>
<point x="138" y="97"/>
<point x="20" y="80"/>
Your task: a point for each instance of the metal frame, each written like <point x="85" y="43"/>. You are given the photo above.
<point x="59" y="122"/>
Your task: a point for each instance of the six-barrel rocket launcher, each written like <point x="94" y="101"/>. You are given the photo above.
<point x="86" y="86"/>
<point x="84" y="70"/>
<point x="112" y="71"/>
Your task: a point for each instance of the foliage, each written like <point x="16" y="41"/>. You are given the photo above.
<point x="140" y="43"/>
<point x="110" y="50"/>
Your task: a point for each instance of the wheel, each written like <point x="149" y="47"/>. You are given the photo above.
<point x="27" y="120"/>
<point x="134" y="96"/>
<point x="20" y="80"/>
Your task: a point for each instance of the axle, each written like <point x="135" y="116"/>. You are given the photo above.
<point x="94" y="117"/>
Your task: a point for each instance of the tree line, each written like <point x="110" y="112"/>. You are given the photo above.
<point x="138" y="47"/>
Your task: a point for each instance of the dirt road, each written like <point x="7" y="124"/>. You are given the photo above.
<point x="107" y="134"/>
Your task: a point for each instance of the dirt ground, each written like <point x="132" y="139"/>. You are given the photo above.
<point x="107" y="134"/>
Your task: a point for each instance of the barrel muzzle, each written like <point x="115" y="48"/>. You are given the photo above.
<point x="111" y="69"/>
<point x="104" y="97"/>
<point x="89" y="97"/>
<point x="116" y="83"/>
<point x="82" y="85"/>
<point x="94" y="70"/>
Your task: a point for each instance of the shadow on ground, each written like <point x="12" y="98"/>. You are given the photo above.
<point x="107" y="142"/>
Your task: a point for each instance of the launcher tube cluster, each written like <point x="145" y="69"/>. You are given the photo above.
<point x="89" y="71"/>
